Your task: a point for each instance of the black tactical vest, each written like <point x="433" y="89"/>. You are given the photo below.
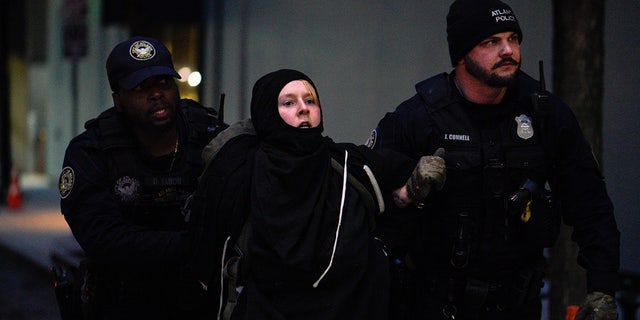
<point x="154" y="197"/>
<point x="469" y="225"/>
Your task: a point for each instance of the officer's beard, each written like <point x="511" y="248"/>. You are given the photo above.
<point x="491" y="79"/>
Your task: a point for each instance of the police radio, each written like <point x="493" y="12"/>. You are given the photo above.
<point x="540" y="98"/>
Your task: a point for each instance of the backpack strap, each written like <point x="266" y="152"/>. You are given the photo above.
<point x="233" y="271"/>
<point x="369" y="200"/>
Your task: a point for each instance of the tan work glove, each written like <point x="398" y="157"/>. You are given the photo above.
<point x="430" y="171"/>
<point x="598" y="306"/>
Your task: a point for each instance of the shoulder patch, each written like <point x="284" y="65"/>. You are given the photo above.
<point x="65" y="182"/>
<point x="371" y="142"/>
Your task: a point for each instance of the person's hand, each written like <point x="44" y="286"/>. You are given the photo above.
<point x="598" y="306"/>
<point x="430" y="171"/>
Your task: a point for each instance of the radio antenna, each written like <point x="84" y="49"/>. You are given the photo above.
<point x="221" y="108"/>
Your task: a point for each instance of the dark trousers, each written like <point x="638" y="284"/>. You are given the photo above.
<point x="414" y="296"/>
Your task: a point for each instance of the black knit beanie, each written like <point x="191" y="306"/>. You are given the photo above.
<point x="471" y="21"/>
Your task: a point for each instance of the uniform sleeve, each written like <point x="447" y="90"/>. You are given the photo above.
<point x="399" y="135"/>
<point x="395" y="226"/>
<point x="586" y="205"/>
<point x="96" y="221"/>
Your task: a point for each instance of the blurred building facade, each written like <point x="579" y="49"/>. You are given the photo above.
<point x="55" y="57"/>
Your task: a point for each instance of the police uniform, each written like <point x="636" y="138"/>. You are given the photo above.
<point x="478" y="254"/>
<point x="123" y="205"/>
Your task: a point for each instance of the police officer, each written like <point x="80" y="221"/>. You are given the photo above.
<point x="125" y="179"/>
<point x="477" y="252"/>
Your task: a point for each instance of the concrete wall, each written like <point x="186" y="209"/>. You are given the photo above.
<point x="364" y="56"/>
<point x="621" y="128"/>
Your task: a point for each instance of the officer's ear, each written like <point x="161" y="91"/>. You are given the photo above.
<point x="116" y="101"/>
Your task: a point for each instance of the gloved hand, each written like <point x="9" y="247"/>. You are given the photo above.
<point x="598" y="306"/>
<point x="430" y="171"/>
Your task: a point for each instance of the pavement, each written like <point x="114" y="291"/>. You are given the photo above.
<point x="37" y="231"/>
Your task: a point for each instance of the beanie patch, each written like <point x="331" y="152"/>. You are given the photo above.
<point x="503" y="15"/>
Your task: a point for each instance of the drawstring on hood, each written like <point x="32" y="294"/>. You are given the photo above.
<point x="335" y="242"/>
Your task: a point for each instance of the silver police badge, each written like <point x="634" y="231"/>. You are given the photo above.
<point x="525" y="129"/>
<point x="126" y="189"/>
<point x="142" y="50"/>
<point x="65" y="182"/>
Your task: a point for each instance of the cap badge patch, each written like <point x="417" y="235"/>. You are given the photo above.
<point x="142" y="50"/>
<point x="65" y="182"/>
<point x="525" y="129"/>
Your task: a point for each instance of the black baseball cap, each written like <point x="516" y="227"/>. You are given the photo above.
<point x="136" y="59"/>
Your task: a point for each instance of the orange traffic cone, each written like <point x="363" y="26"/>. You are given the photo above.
<point x="14" y="201"/>
<point x="571" y="312"/>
